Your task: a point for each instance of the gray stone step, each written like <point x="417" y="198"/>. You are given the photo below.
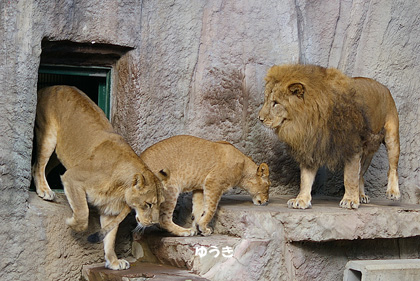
<point x="379" y="270"/>
<point x="139" y="272"/>
<point x="271" y="242"/>
<point x="325" y="221"/>
<point x="217" y="257"/>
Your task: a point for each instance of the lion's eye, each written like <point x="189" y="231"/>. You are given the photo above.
<point x="148" y="205"/>
<point x="274" y="103"/>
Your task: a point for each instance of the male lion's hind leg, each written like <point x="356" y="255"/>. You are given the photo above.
<point x="366" y="159"/>
<point x="45" y="145"/>
<point x="351" y="183"/>
<point x="303" y="200"/>
<point x="111" y="260"/>
<point x="76" y="196"/>
<point x="392" y="144"/>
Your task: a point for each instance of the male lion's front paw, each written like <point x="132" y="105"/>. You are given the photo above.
<point x="118" y="265"/>
<point x="299" y="203"/>
<point x="349" y="204"/>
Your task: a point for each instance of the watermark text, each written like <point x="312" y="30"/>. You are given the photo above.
<point x="214" y="251"/>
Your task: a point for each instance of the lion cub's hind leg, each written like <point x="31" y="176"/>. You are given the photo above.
<point x="76" y="196"/>
<point x="213" y="190"/>
<point x="392" y="143"/>
<point x="197" y="207"/>
<point x="166" y="214"/>
<point x="46" y="141"/>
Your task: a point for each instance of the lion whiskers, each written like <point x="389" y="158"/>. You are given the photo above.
<point x="139" y="228"/>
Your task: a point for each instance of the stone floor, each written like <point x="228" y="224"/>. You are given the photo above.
<point x="276" y="243"/>
<point x="325" y="221"/>
<point x="139" y="272"/>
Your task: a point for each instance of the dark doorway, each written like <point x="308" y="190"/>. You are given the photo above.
<point x="93" y="81"/>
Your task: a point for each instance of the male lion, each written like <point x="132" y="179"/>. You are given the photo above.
<point x="328" y="118"/>
<point x="208" y="169"/>
<point x="102" y="169"/>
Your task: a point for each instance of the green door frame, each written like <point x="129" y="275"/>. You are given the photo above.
<point x="104" y="89"/>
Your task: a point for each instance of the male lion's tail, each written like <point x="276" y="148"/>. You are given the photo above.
<point x="100" y="235"/>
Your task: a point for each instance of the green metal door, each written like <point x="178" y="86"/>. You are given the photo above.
<point x="94" y="81"/>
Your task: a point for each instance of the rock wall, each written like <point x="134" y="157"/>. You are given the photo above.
<point x="28" y="239"/>
<point x="198" y="68"/>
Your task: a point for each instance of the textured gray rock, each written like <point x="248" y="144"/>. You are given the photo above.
<point x="139" y="272"/>
<point x="203" y="74"/>
<point x="198" y="68"/>
<point x="391" y="270"/>
<point x="325" y="221"/>
<point x="55" y="251"/>
<point x="276" y="243"/>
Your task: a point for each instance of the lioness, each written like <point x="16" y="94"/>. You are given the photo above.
<point x="328" y="118"/>
<point x="206" y="168"/>
<point x="102" y="169"/>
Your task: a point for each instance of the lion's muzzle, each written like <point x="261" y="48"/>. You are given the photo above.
<point x="260" y="200"/>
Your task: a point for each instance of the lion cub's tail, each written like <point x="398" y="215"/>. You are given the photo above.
<point x="100" y="235"/>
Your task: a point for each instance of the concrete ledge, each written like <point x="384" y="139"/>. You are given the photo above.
<point x="209" y="256"/>
<point x="61" y="251"/>
<point x="276" y="243"/>
<point x="139" y="272"/>
<point x="267" y="242"/>
<point x="378" y="270"/>
<point x="325" y="221"/>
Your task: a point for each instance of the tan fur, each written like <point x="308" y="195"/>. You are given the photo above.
<point x="208" y="169"/>
<point x="101" y="168"/>
<point x="328" y="118"/>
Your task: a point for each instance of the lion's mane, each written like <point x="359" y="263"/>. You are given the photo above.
<point x="330" y="126"/>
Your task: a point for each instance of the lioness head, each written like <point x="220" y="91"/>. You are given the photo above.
<point x="258" y="185"/>
<point x="145" y="197"/>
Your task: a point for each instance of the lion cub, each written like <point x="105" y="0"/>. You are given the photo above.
<point x="102" y="169"/>
<point x="206" y="168"/>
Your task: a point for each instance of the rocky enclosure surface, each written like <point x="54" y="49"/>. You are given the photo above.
<point x="198" y="67"/>
<point x="276" y="243"/>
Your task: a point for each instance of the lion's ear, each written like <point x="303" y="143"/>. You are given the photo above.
<point x="297" y="89"/>
<point x="138" y="181"/>
<point x="163" y="174"/>
<point x="262" y="170"/>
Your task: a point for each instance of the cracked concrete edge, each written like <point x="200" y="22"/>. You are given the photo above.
<point x="324" y="222"/>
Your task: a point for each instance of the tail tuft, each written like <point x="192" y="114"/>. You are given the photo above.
<point x="95" y="238"/>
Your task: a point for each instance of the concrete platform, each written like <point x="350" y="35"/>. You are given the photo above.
<point x="325" y="221"/>
<point x="139" y="272"/>
<point x="263" y="242"/>
<point x="379" y="270"/>
<point x="276" y="243"/>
